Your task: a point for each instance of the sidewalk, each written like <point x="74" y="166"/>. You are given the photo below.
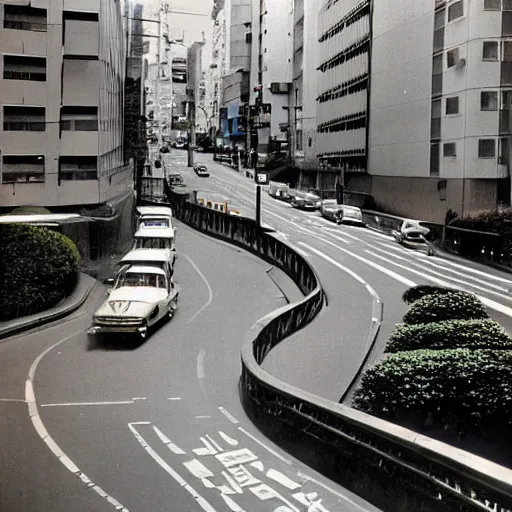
<point x="65" y="307"/>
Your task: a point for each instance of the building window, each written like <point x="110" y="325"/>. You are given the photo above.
<point x="18" y="67"/>
<point x="435" y="123"/>
<point x="452" y="57"/>
<point x="74" y="168"/>
<point x="79" y="119"/>
<point x="456" y="10"/>
<point x="497" y="5"/>
<point x="507" y="51"/>
<point x="24" y="119"/>
<point x="21" y="17"/>
<point x="449" y="149"/>
<point x="23" y="169"/>
<point x="488" y="100"/>
<point x="298" y="140"/>
<point x="490" y="50"/>
<point x="486" y="148"/>
<point x="452" y="105"/>
<point x="434" y="159"/>
<point x="439" y="30"/>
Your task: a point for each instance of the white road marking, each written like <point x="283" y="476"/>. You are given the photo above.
<point x="138" y="398"/>
<point x="174" y="398"/>
<point x="175" y="475"/>
<point x="258" y="465"/>
<point x="263" y="445"/>
<point x="210" y="291"/>
<point x="202" y="417"/>
<point x="491" y="304"/>
<point x="198" y="469"/>
<point x="229" y="440"/>
<point x="429" y="272"/>
<point x="308" y="478"/>
<point x="13" y="400"/>
<point x="200" y="364"/>
<point x="214" y="444"/>
<point x="68" y="404"/>
<point x="278" y="477"/>
<point x="232" y="482"/>
<point x="45" y="436"/>
<point x="173" y="447"/>
<point x="234" y="507"/>
<point x="229" y="416"/>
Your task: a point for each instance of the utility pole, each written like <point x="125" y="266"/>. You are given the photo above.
<point x="191" y="132"/>
<point x="158" y="71"/>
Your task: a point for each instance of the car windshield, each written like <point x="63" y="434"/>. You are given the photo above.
<point x="152" y="243"/>
<point x="155" y="221"/>
<point x="136" y="279"/>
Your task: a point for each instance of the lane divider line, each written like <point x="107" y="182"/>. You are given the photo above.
<point x="68" y="404"/>
<point x="205" y="505"/>
<point x="229" y="416"/>
<point x="48" y="440"/>
<point x="210" y="291"/>
<point x="173" y="447"/>
<point x="200" y="363"/>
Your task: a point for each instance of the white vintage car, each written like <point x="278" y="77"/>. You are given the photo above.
<point x="140" y="298"/>
<point x="154" y="216"/>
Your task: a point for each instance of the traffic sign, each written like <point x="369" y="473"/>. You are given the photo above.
<point x="261" y="178"/>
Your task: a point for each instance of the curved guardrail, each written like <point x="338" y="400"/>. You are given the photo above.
<point x="395" y="468"/>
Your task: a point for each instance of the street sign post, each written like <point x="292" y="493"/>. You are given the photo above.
<point x="261" y="178"/>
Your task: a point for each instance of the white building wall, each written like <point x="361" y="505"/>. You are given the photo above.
<point x="84" y="83"/>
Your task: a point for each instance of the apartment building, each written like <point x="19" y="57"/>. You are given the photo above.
<point x="62" y="67"/>
<point x="195" y="82"/>
<point x="440" y="107"/>
<point x="303" y="94"/>
<point x="344" y="39"/>
<point x="271" y="73"/>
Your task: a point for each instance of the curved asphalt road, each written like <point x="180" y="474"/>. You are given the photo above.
<point x="159" y="426"/>
<point x="332" y="348"/>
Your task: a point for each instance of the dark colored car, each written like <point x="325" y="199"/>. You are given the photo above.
<point x="305" y="200"/>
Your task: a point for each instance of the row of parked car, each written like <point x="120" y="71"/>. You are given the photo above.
<point x="328" y="208"/>
<point x="143" y="291"/>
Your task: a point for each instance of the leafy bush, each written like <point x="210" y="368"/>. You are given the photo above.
<point x="459" y="387"/>
<point x="486" y="220"/>
<point x="40" y="267"/>
<point x="471" y="334"/>
<point x="448" y="306"/>
<point x="417" y="292"/>
<point x="30" y="210"/>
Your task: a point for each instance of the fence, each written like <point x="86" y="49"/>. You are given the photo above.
<point x="395" y="468"/>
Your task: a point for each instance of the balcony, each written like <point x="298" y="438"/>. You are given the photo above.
<point x="78" y="168"/>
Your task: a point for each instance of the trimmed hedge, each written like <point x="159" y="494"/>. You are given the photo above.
<point x="40" y="267"/>
<point x="469" y="388"/>
<point x="471" y="334"/>
<point x="30" y="210"/>
<point x="453" y="305"/>
<point x="418" y="292"/>
<point x="492" y="221"/>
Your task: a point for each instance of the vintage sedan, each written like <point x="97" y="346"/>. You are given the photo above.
<point x="412" y="234"/>
<point x="201" y="170"/>
<point x="140" y="298"/>
<point x="305" y="200"/>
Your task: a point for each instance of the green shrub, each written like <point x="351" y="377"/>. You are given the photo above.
<point x="30" y="210"/>
<point x="486" y="220"/>
<point x="448" y="306"/>
<point x="417" y="292"/>
<point x="40" y="267"/>
<point x="472" y="334"/>
<point x="461" y="386"/>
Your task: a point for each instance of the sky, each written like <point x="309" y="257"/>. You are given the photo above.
<point x="192" y="26"/>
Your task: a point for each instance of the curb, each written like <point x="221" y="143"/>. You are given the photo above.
<point x="47" y="317"/>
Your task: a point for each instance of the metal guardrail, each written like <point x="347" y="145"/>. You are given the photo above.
<point x="400" y="469"/>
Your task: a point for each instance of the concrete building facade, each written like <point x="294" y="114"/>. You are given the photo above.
<point x="304" y="91"/>
<point x="62" y="69"/>
<point x="271" y="73"/>
<point x="440" y="130"/>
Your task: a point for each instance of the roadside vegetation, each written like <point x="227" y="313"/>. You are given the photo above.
<point x="448" y="365"/>
<point x="39" y="268"/>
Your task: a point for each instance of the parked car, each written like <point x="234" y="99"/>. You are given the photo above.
<point x="305" y="200"/>
<point x="278" y="190"/>
<point x="154" y="238"/>
<point x="413" y="235"/>
<point x="201" y="170"/>
<point x="161" y="258"/>
<point x="350" y="215"/>
<point x="140" y="298"/>
<point x="154" y="216"/>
